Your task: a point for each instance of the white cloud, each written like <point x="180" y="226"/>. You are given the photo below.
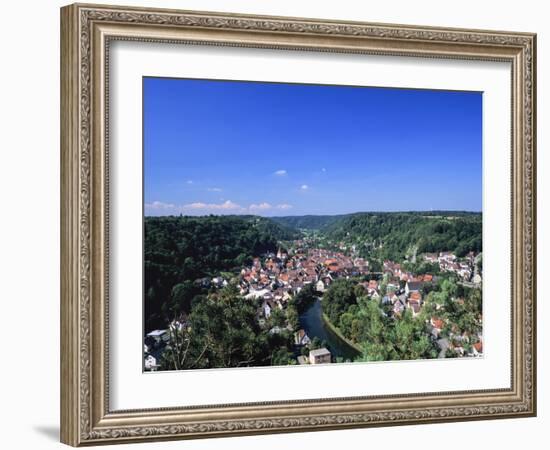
<point x="304" y="187"/>
<point x="194" y="209"/>
<point x="158" y="208"/>
<point x="266" y="207"/>
<point x="214" y="189"/>
<point x="260" y="207"/>
<point x="280" y="172"/>
<point x="284" y="206"/>
<point x="227" y="205"/>
<point x="159" y="205"/>
<point x="189" y="181"/>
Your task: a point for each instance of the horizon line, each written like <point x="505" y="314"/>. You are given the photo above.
<point x="435" y="211"/>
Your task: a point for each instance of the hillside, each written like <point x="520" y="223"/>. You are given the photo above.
<point x="309" y="222"/>
<point x="392" y="235"/>
<point x="183" y="249"/>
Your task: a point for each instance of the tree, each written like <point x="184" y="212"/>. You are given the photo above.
<point x="292" y="316"/>
<point x="450" y="353"/>
<point x="277" y="318"/>
<point x="315" y="343"/>
<point x="339" y="296"/>
<point x="345" y="322"/>
<point x="282" y="357"/>
<point x="183" y="352"/>
<point x="375" y="265"/>
<point x="222" y="332"/>
<point x="181" y="297"/>
<point x="305" y="298"/>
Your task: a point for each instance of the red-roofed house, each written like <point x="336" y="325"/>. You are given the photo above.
<point x="437" y="325"/>
<point x="477" y="348"/>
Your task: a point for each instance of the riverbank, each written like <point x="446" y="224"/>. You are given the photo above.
<point x="315" y="325"/>
<point x="334" y="329"/>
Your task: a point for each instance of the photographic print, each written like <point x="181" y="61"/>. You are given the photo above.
<point x="298" y="224"/>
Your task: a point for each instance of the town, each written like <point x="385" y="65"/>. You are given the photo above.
<point x="273" y="281"/>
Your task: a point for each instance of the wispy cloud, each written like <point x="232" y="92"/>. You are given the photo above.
<point x="189" y="182"/>
<point x="228" y="205"/>
<point x="260" y="207"/>
<point x="280" y="172"/>
<point x="268" y="207"/>
<point x="304" y="187"/>
<point x="323" y="170"/>
<point x="214" y="189"/>
<point x="158" y="208"/>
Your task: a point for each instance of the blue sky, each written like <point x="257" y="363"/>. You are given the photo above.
<point x="226" y="147"/>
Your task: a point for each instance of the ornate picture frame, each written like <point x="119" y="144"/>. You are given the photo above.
<point x="87" y="32"/>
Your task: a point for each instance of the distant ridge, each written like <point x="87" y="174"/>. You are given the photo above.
<point x="320" y="222"/>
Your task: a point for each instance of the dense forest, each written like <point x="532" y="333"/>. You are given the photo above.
<point x="180" y="250"/>
<point x="226" y="333"/>
<point x="309" y="222"/>
<point x="388" y="235"/>
<point x="395" y="235"/>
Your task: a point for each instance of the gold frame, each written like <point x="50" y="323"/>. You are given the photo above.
<point x="86" y="31"/>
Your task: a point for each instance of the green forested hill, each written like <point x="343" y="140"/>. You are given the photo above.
<point x="178" y="250"/>
<point x="306" y="222"/>
<point x="393" y="234"/>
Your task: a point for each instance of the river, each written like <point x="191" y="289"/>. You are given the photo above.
<point x="314" y="325"/>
